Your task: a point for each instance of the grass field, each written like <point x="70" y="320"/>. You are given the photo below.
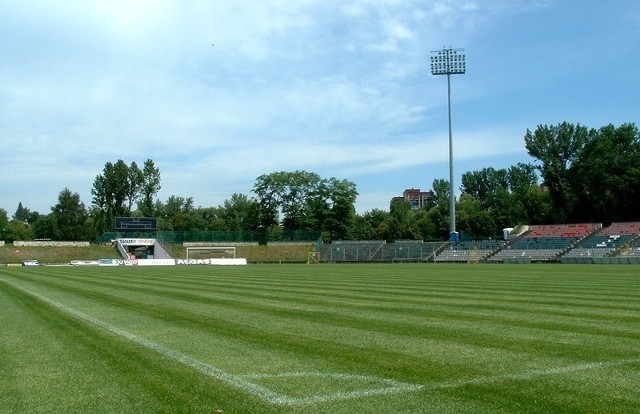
<point x="364" y="338"/>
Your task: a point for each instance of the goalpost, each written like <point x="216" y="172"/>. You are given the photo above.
<point x="211" y="252"/>
<point x="313" y="257"/>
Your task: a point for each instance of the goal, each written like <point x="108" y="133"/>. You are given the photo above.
<point x="211" y="252"/>
<point x="313" y="257"/>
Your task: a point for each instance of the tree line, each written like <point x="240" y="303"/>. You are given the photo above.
<point x="578" y="175"/>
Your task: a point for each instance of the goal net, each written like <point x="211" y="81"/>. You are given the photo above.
<point x="211" y="252"/>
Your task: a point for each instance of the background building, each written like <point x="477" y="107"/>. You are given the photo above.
<point x="416" y="198"/>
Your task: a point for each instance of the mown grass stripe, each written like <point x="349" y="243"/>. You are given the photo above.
<point x="425" y="325"/>
<point x="433" y="327"/>
<point x="170" y="353"/>
<point x="445" y="307"/>
<point x="340" y="314"/>
<point x="529" y="375"/>
<point x="239" y="381"/>
<point x="510" y="335"/>
<point x="409" y="294"/>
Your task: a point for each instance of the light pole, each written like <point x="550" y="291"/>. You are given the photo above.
<point x="449" y="62"/>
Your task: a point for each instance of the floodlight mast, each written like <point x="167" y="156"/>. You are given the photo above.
<point x="449" y="62"/>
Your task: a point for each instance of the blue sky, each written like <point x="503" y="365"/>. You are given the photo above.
<point x="217" y="93"/>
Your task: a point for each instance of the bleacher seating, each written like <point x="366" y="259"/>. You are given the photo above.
<point x="632" y="229"/>
<point x="561" y="230"/>
<point x="544" y="242"/>
<point x="468" y="251"/>
<point x="408" y="251"/>
<point x="606" y="242"/>
<point x="632" y="251"/>
<point x="380" y="251"/>
<point x="350" y="251"/>
<point x="570" y="243"/>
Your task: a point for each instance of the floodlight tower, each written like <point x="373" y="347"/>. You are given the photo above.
<point x="449" y="62"/>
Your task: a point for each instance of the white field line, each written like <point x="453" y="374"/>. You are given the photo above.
<point x="240" y="381"/>
<point x="384" y="386"/>
<point x="527" y="375"/>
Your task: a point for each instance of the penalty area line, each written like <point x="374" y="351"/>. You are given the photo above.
<point x="240" y="381"/>
<point x="177" y="356"/>
<point x="528" y="375"/>
<point x="377" y="386"/>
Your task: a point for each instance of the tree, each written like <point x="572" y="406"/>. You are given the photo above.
<point x="537" y="206"/>
<point x="400" y="224"/>
<point x="110" y="192"/>
<point x="558" y="148"/>
<point x="134" y="183"/>
<point x="295" y="189"/>
<point x="305" y="201"/>
<point x="438" y="216"/>
<point x="340" y="201"/>
<point x="268" y="189"/>
<point x="504" y="195"/>
<point x="22" y="213"/>
<point x="176" y="214"/>
<point x="18" y="230"/>
<point x="4" y="223"/>
<point x="441" y="193"/>
<point x="70" y="216"/>
<point x="435" y="224"/>
<point x="606" y="178"/>
<point x="239" y="213"/>
<point x="484" y="184"/>
<point x="149" y="188"/>
<point x="208" y="219"/>
<point x="592" y="175"/>
<point x="473" y="220"/>
<point x="366" y="226"/>
<point x="491" y="188"/>
<point x="522" y="177"/>
<point x="119" y="186"/>
<point x="46" y="227"/>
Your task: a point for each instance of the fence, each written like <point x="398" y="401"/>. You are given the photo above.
<point x="229" y="237"/>
<point x="380" y="251"/>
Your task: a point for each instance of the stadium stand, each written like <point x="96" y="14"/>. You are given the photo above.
<point x="380" y="251"/>
<point x="607" y="242"/>
<point x="544" y="243"/>
<point x="469" y="251"/>
<point x="408" y="251"/>
<point x="562" y="230"/>
<point x="615" y="240"/>
<point x="632" y="251"/>
<point x="350" y="251"/>
<point x="568" y="243"/>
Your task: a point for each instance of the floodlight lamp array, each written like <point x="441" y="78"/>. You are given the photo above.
<point x="448" y="62"/>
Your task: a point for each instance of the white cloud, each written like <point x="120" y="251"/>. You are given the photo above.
<point x="217" y="93"/>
